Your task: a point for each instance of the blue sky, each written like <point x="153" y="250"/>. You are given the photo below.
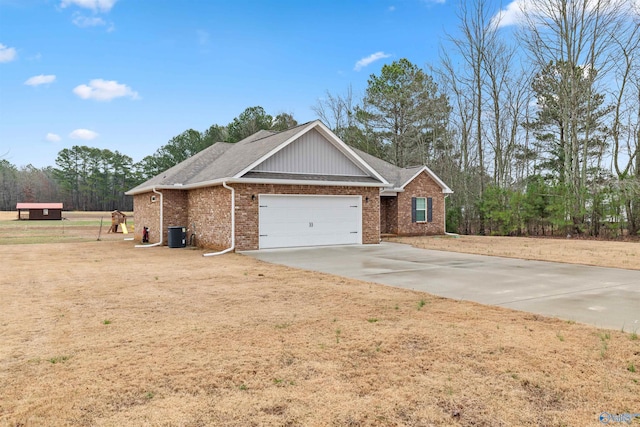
<point x="128" y="75"/>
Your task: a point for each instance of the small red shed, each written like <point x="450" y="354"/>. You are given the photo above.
<point x="39" y="210"/>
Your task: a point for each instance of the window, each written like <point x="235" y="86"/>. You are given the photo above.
<point x="421" y="209"/>
<point x="45" y="211"/>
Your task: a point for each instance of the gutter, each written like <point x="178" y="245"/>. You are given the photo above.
<point x="161" y="222"/>
<point x="259" y="181"/>
<point x="233" y="223"/>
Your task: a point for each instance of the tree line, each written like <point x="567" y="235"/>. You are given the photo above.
<point x="536" y="127"/>
<point x="93" y="179"/>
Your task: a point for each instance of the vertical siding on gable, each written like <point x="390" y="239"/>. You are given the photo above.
<point x="310" y="154"/>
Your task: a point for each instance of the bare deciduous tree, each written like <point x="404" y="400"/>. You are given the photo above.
<point x="574" y="35"/>
<point x="336" y="111"/>
<point x="625" y="127"/>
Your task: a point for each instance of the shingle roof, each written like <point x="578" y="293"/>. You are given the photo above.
<point x="186" y="171"/>
<point x="397" y="176"/>
<point x="245" y="153"/>
<point x="387" y="170"/>
<point x="224" y="161"/>
<point x="221" y="160"/>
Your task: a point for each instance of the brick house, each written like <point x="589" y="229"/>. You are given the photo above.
<point x="300" y="187"/>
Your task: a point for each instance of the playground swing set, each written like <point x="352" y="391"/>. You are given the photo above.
<point x="119" y="223"/>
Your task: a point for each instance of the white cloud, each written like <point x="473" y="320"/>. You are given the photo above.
<point x="85" y="134"/>
<point x="95" y="5"/>
<point x="391" y="8"/>
<point x="85" y="21"/>
<point x="40" y="80"/>
<point x="104" y="90"/>
<point x="52" y="137"/>
<point x="7" y="54"/>
<point x="370" y="59"/>
<point x="513" y="13"/>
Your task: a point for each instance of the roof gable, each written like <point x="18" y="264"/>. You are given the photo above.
<point x="417" y="171"/>
<point x="312" y="154"/>
<point x="276" y="157"/>
<point x="400" y="177"/>
<point x="330" y="137"/>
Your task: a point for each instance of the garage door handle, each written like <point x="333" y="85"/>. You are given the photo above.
<point x="263" y="206"/>
<point x="263" y="235"/>
<point x="353" y="206"/>
<point x="354" y="232"/>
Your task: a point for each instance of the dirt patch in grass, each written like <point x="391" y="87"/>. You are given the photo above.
<point x="574" y="251"/>
<point x="103" y="334"/>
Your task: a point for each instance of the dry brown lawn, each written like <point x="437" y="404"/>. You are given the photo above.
<point x="575" y="251"/>
<point x="99" y="333"/>
<point x="76" y="227"/>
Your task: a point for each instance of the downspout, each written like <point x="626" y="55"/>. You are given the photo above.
<point x="233" y="223"/>
<point x="161" y="220"/>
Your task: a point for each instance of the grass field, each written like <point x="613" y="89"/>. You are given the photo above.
<point x="99" y="333"/>
<point x="76" y="227"/>
<point x="576" y="251"/>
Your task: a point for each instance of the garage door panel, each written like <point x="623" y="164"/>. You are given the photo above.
<point x="288" y="220"/>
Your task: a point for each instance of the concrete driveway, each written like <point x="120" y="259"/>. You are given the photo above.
<point x="604" y="297"/>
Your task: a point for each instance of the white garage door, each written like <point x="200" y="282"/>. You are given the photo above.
<point x="292" y="220"/>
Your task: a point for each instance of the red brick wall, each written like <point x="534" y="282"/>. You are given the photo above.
<point x="422" y="186"/>
<point x="176" y="209"/>
<point x="147" y="213"/>
<point x="210" y="209"/>
<point x="389" y="215"/>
